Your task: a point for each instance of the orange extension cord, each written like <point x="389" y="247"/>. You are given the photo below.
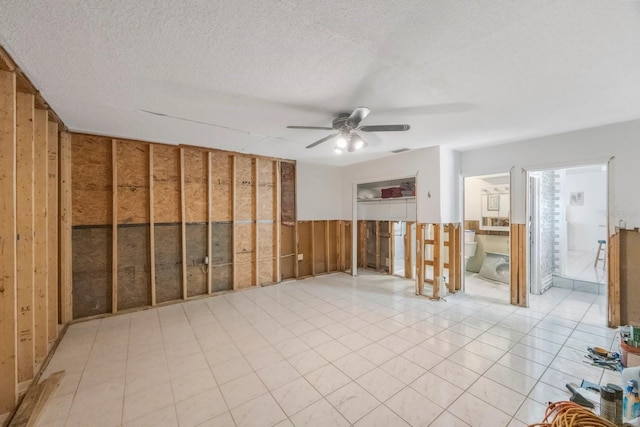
<point x="569" y="414"/>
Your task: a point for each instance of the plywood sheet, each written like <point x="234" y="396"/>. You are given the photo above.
<point x="221" y="277"/>
<point x="304" y="249"/>
<point x="245" y="189"/>
<point x="91" y="180"/>
<point x="134" y="281"/>
<point x="266" y="272"/>
<point x="195" y="185"/>
<point x="91" y="271"/>
<point x="371" y="244"/>
<point x="222" y="196"/>
<point x="287" y="252"/>
<point x="266" y="253"/>
<point x="348" y="244"/>
<point x="629" y="277"/>
<point x="244" y="255"/>
<point x="166" y="181"/>
<point x="266" y="189"/>
<point x="319" y="254"/>
<point x="196" y="252"/>
<point x="133" y="182"/>
<point x="332" y="262"/>
<point x="221" y="243"/>
<point x="288" y="193"/>
<point x="384" y="247"/>
<point x="168" y="256"/>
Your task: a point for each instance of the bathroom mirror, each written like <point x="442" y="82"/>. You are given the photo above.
<point x="495" y="208"/>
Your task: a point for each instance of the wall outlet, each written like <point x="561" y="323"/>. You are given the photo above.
<point x="206" y="260"/>
<point x="300" y="257"/>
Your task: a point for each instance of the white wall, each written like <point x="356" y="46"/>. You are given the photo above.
<point x="583" y="222"/>
<point x="318" y="191"/>
<point x="450" y="186"/>
<point x="473" y="186"/>
<point x="587" y="146"/>
<point x="425" y="163"/>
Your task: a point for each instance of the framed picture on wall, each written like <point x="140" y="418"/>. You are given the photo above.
<point x="493" y="202"/>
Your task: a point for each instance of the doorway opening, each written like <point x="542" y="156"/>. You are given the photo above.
<point x="487" y="213"/>
<point x="567" y="229"/>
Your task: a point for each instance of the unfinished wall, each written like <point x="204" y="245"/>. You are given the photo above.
<point x="153" y="223"/>
<point x="28" y="238"/>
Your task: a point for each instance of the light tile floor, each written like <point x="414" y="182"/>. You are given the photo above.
<point x="330" y="351"/>
<point x="580" y="267"/>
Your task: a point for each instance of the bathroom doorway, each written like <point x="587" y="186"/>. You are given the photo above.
<point x="487" y="214"/>
<point x="567" y="229"/>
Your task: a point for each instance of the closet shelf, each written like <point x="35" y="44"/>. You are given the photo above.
<point x="387" y="199"/>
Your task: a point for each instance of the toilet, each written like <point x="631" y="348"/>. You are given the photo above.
<point x="496" y="267"/>
<point x="470" y="245"/>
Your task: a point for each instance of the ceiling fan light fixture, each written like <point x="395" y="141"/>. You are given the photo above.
<point x="341" y="142"/>
<point x="337" y="150"/>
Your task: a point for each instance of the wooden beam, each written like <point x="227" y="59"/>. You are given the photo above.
<point x="392" y="246"/>
<point x="6" y="62"/>
<point x="451" y="265"/>
<point x="52" y="218"/>
<point x="66" y="254"/>
<point x="209" y="220"/>
<point x="459" y="258"/>
<point x="152" y="229"/>
<point x="437" y="260"/>
<point x="378" y="245"/>
<point x="420" y="258"/>
<point x="254" y="215"/>
<point x="613" y="285"/>
<point x="114" y="226"/>
<point x="183" y="219"/>
<point x="313" y="249"/>
<point x="408" y="267"/>
<point x="327" y="242"/>
<point x="25" y="226"/>
<point x="234" y="193"/>
<point x="278" y="218"/>
<point x="8" y="284"/>
<point x="41" y="244"/>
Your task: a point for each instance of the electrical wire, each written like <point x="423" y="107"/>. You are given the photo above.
<point x="570" y="414"/>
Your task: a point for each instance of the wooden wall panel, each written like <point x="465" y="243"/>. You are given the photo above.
<point x="222" y="197"/>
<point x="288" y="193"/>
<point x="518" y="264"/>
<point x="287" y="252"/>
<point x="305" y="249"/>
<point x="245" y="189"/>
<point x="91" y="180"/>
<point x="266" y="253"/>
<point x="319" y="246"/>
<point x="629" y="277"/>
<point x="52" y="218"/>
<point x="8" y="315"/>
<point x="92" y="273"/>
<point x="195" y="185"/>
<point x="41" y="256"/>
<point x="25" y="244"/>
<point x="166" y="181"/>
<point x="133" y="182"/>
<point x="168" y="254"/>
<point x="65" y="236"/>
<point x="196" y="251"/>
<point x="266" y="172"/>
<point x="613" y="285"/>
<point x="244" y="255"/>
<point x="332" y="231"/>
<point x="348" y="244"/>
<point x="134" y="281"/>
<point x="384" y="246"/>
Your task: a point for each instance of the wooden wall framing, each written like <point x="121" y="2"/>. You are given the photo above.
<point x="28" y="231"/>
<point x="518" y="268"/>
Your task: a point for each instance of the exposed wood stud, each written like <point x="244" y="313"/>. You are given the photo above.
<point x="408" y="270"/>
<point x="420" y="258"/>
<point x="613" y="286"/>
<point x="41" y="243"/>
<point x="66" y="254"/>
<point x="210" y="208"/>
<point x="392" y="246"/>
<point x="254" y="215"/>
<point x="114" y="227"/>
<point x="52" y="218"/>
<point x="437" y="260"/>
<point x="378" y="245"/>
<point x="8" y="284"/>
<point x="313" y="249"/>
<point x="183" y="222"/>
<point x="327" y="263"/>
<point x="152" y="229"/>
<point x="25" y="224"/>
<point x="278" y="220"/>
<point x="234" y="192"/>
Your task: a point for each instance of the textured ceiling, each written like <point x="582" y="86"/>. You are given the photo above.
<point x="461" y="72"/>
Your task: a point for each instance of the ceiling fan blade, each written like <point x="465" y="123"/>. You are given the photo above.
<point x="309" y="127"/>
<point x="357" y="116"/>
<point x="320" y="141"/>
<point x="385" y="128"/>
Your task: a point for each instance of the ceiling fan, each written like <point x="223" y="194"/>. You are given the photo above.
<point x="347" y="126"/>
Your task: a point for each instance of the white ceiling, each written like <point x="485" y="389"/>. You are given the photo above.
<point x="461" y="72"/>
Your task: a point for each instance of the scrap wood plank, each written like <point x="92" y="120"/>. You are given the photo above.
<point x="35" y="400"/>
